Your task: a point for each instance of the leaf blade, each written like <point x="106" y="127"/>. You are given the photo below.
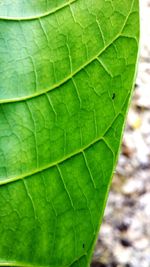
<point x="61" y="139"/>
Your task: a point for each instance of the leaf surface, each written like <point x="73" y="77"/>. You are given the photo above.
<point x="66" y="75"/>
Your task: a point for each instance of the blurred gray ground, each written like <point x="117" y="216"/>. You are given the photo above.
<point x="124" y="239"/>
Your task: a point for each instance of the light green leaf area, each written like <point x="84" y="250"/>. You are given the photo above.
<point x="66" y="75"/>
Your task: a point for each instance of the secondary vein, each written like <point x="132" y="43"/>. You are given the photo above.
<point x="57" y="85"/>
<point x="54" y="10"/>
<point x="53" y="164"/>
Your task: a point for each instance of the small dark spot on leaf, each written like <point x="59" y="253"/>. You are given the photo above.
<point x="83" y="245"/>
<point x="113" y="96"/>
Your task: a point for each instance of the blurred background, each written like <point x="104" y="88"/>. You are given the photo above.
<point x="124" y="239"/>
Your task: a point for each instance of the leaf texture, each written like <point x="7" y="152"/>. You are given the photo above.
<point x="66" y="75"/>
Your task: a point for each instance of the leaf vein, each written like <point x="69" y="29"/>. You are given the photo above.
<point x="54" y="164"/>
<point x="46" y="14"/>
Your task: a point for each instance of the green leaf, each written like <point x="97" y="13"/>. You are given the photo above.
<point x="66" y="75"/>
